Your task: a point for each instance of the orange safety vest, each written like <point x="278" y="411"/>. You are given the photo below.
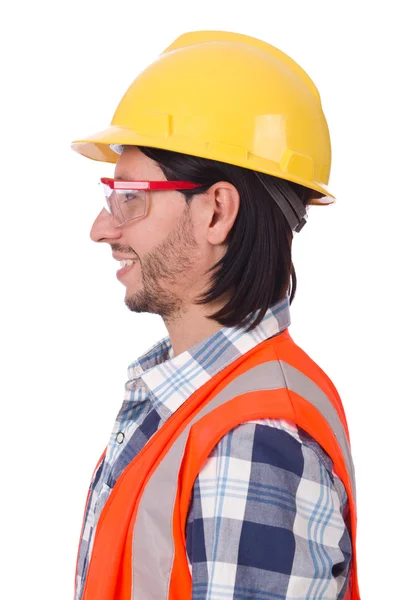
<point x="139" y="550"/>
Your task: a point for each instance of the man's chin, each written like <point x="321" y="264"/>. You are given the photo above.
<point x="136" y="303"/>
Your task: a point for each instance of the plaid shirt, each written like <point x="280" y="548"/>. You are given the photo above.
<point x="269" y="517"/>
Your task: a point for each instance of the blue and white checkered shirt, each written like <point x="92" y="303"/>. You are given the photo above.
<point x="269" y="517"/>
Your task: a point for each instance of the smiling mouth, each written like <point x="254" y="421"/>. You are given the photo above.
<point x="127" y="261"/>
<point x="126" y="268"/>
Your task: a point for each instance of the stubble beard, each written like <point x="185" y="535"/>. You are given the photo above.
<point x="169" y="264"/>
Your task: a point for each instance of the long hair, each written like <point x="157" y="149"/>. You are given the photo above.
<point x="257" y="266"/>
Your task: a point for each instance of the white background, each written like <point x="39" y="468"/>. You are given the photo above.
<point x="67" y="337"/>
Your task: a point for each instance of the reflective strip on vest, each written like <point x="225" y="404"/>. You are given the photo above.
<point x="154" y="555"/>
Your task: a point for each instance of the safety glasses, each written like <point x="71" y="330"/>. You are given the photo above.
<point x="126" y="200"/>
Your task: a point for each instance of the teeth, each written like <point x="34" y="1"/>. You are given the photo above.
<point x="125" y="263"/>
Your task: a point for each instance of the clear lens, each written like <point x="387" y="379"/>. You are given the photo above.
<point x="125" y="205"/>
<point x="131" y="203"/>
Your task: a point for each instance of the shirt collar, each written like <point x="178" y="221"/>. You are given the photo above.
<point x="171" y="380"/>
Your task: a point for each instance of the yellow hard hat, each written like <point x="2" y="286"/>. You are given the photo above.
<point x="228" y="97"/>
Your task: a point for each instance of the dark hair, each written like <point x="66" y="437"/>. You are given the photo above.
<point x="257" y="265"/>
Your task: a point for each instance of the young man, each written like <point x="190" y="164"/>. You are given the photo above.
<point x="229" y="472"/>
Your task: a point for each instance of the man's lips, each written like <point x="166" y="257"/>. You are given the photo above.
<point x="121" y="257"/>
<point x="124" y="270"/>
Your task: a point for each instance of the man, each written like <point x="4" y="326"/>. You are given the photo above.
<point x="228" y="473"/>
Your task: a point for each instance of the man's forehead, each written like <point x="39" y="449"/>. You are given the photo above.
<point x="133" y="165"/>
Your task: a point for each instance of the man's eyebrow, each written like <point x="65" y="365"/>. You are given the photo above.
<point x="123" y="179"/>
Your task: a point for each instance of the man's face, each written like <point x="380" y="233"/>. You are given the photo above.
<point x="170" y="263"/>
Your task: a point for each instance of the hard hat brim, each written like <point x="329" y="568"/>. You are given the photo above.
<point x="97" y="147"/>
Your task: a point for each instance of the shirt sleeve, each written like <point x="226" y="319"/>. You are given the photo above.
<point x="268" y="518"/>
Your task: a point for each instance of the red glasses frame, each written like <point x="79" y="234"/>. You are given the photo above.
<point x="136" y="186"/>
<point x="116" y="184"/>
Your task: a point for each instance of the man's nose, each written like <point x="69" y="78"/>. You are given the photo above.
<point x="103" y="227"/>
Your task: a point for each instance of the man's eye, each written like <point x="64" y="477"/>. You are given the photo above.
<point x="129" y="196"/>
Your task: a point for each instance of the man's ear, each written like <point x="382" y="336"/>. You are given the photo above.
<point x="225" y="204"/>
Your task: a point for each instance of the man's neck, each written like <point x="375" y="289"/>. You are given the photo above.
<point x="190" y="329"/>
